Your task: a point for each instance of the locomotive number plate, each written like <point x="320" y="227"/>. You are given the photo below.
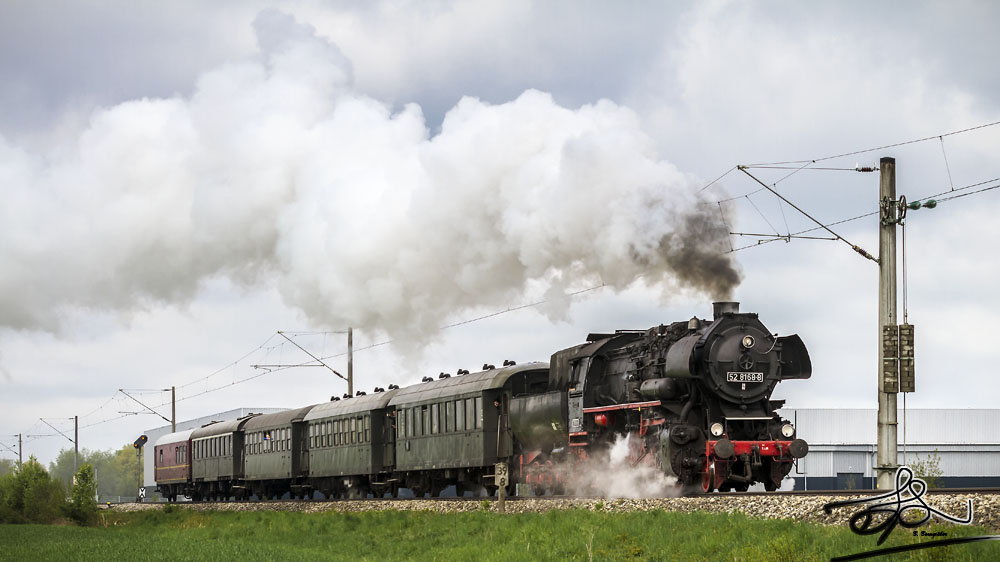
<point x="744" y="377"/>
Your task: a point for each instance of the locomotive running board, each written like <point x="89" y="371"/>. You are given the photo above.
<point x="628" y="406"/>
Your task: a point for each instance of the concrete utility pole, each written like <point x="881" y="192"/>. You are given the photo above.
<point x="350" y="361"/>
<point x="76" y="445"/>
<point x="887" y="444"/>
<point x="173" y="409"/>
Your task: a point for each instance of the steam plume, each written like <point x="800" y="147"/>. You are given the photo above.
<point x="278" y="169"/>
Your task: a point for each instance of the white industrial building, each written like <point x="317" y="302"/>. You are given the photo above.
<point x="842" y="446"/>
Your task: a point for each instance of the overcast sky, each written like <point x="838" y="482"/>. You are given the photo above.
<point x="182" y="180"/>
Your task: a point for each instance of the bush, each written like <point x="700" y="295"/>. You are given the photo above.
<point x="83" y="505"/>
<point x="929" y="469"/>
<point x="29" y="495"/>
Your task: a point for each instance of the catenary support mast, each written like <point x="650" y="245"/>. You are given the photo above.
<point x="887" y="443"/>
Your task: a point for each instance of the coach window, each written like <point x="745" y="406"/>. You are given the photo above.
<point x="479" y="412"/>
<point x="449" y="415"/>
<point x="368" y="429"/>
<point x="435" y="413"/>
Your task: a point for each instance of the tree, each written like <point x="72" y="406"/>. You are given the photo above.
<point x="115" y="471"/>
<point x="7" y="466"/>
<point x="30" y="495"/>
<point x="83" y="506"/>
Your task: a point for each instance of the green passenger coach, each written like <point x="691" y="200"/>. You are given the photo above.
<point x="277" y="455"/>
<point x="351" y="445"/>
<point x="453" y="430"/>
<point x="217" y="463"/>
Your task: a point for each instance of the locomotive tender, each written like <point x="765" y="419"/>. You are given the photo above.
<point x="692" y="398"/>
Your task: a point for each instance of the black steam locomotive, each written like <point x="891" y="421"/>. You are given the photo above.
<point x="692" y="398"/>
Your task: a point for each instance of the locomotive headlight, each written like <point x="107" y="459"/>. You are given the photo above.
<point x="716" y="429"/>
<point x="787" y="430"/>
<point x="748" y="341"/>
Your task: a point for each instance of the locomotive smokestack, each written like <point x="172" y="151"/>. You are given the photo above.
<point x="722" y="307"/>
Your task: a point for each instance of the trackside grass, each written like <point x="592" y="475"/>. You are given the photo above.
<point x="579" y="534"/>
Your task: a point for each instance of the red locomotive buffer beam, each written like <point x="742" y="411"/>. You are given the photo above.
<point x="785" y="450"/>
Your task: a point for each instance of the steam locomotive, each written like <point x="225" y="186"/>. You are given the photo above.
<point x="692" y="398"/>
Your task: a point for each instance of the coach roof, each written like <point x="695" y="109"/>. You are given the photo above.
<point x="221" y="428"/>
<point x="462" y="384"/>
<point x="277" y="419"/>
<point x="174" y="437"/>
<point x="353" y="405"/>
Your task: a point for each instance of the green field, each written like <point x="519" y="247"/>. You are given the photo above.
<point x="421" y="535"/>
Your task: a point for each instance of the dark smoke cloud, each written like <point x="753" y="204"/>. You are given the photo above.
<point x="276" y="168"/>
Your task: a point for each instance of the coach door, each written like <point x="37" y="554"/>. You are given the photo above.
<point x="505" y="447"/>
<point x="300" y="433"/>
<point x="389" y="438"/>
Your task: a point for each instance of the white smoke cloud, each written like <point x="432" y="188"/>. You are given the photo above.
<point x="610" y="474"/>
<point x="276" y="170"/>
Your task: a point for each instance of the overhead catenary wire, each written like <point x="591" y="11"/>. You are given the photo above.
<point x="324" y="358"/>
<point x="877" y="148"/>
<point x="807" y="164"/>
<point x="854" y="247"/>
<point x="865" y="215"/>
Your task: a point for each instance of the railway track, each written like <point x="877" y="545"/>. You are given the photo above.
<point x="787" y="493"/>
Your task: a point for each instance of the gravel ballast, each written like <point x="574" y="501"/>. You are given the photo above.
<point x="986" y="507"/>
